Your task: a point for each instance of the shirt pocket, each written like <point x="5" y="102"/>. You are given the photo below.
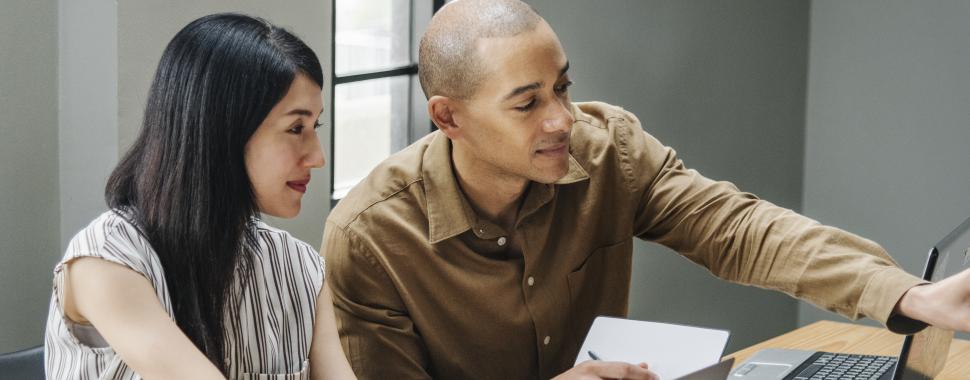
<point x="303" y="374"/>
<point x="600" y="285"/>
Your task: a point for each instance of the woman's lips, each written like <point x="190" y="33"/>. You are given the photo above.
<point x="298" y="185"/>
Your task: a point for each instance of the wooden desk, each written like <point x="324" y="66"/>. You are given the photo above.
<point x="848" y="338"/>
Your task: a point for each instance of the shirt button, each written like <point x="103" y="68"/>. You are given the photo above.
<point x="501" y="241"/>
<point x="531" y="281"/>
<point x="546" y="341"/>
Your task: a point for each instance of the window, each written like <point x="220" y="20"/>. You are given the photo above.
<point x="378" y="107"/>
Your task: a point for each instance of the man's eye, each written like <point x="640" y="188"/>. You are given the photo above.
<point x="527" y="107"/>
<point x="563" y="87"/>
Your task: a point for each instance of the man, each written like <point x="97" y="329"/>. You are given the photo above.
<point x="486" y="249"/>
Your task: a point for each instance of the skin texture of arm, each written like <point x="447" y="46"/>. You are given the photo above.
<point x="327" y="359"/>
<point x="123" y="307"/>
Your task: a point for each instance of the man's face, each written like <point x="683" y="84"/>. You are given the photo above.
<point x="518" y="120"/>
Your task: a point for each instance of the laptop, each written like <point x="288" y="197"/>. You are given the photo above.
<point x="717" y="371"/>
<point x="921" y="357"/>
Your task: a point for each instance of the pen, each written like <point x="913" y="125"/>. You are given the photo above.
<point x="593" y="355"/>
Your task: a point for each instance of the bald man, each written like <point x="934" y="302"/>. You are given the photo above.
<point x="486" y="249"/>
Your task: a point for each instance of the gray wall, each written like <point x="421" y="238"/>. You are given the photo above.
<point x="887" y="123"/>
<point x="29" y="228"/>
<point x="74" y="75"/>
<point x="724" y="84"/>
<point x="883" y="150"/>
<point x="109" y="54"/>
<point x="146" y="26"/>
<point x="88" y="98"/>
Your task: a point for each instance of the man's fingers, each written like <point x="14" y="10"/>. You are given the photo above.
<point x="618" y="370"/>
<point x="598" y="369"/>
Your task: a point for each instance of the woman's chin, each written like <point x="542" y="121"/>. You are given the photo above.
<point x="283" y="212"/>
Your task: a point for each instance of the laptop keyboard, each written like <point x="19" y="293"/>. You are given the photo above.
<point x="831" y="366"/>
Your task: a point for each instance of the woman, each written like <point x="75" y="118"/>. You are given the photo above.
<point x="180" y="279"/>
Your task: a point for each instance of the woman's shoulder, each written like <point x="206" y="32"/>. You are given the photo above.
<point x="112" y="226"/>
<point x="112" y="236"/>
<point x="108" y="221"/>
<point x="279" y="241"/>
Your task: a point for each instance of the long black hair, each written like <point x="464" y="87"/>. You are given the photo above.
<point x="183" y="183"/>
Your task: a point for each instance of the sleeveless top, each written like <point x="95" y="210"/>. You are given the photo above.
<point x="267" y="336"/>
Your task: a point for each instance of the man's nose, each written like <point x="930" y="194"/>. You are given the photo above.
<point x="560" y="121"/>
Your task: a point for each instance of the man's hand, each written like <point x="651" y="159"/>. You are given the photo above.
<point x="945" y="304"/>
<point x="597" y="369"/>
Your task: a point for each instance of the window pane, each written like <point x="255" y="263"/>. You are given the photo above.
<point x="372" y="35"/>
<point x="371" y="122"/>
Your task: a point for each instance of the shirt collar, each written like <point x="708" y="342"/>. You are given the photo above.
<point x="576" y="172"/>
<point x="448" y="210"/>
<point x="449" y="213"/>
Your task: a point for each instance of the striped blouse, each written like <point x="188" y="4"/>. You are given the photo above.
<point x="268" y="336"/>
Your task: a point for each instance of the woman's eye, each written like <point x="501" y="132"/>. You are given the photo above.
<point x="528" y="106"/>
<point x="317" y="125"/>
<point x="295" y="130"/>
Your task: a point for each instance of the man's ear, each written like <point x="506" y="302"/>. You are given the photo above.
<point x="442" y="109"/>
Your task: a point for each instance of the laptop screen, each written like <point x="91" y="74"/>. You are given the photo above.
<point x="954" y="253"/>
<point x="928" y="349"/>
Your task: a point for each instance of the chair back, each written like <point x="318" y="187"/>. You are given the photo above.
<point x="24" y="364"/>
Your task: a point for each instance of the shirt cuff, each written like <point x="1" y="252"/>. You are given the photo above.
<point x="880" y="297"/>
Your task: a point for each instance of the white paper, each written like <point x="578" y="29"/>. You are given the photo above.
<point x="671" y="351"/>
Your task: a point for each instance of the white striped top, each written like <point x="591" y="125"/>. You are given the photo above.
<point x="268" y="336"/>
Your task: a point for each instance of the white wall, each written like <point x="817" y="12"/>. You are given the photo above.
<point x="888" y="123"/>
<point x="723" y="82"/>
<point x="29" y="241"/>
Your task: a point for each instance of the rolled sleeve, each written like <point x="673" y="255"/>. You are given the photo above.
<point x="880" y="297"/>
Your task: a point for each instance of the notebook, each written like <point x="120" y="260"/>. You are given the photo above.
<point x="672" y="351"/>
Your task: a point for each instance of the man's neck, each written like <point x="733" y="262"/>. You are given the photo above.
<point x="493" y="194"/>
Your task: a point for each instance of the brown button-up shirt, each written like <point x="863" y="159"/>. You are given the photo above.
<point x="424" y="287"/>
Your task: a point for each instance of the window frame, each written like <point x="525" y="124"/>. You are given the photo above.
<point x="418" y="122"/>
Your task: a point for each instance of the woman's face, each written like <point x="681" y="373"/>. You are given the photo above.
<point x="284" y="148"/>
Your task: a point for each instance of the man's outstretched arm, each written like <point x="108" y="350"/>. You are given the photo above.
<point x="743" y="239"/>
